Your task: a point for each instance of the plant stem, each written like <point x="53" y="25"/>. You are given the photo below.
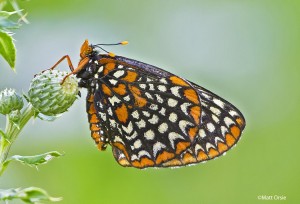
<point x="12" y="131"/>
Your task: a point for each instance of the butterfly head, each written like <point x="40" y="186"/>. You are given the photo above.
<point x="86" y="49"/>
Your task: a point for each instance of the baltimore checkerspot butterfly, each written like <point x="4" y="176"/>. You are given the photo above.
<point x="151" y="117"/>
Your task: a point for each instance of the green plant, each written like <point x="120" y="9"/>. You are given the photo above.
<point x="47" y="99"/>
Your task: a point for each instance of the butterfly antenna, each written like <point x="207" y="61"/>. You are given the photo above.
<point x="110" y="53"/>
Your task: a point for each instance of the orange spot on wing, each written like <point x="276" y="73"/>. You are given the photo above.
<point x="145" y="162"/>
<point x="193" y="132"/>
<point x="182" y="146"/>
<point x="91" y="99"/>
<point x="139" y="101"/>
<point x="94" y="127"/>
<point x="94" y="119"/>
<point x="176" y="80"/>
<point x="122" y="113"/>
<point x="124" y="162"/>
<point x="222" y="147"/>
<point x="106" y="90"/>
<point x="191" y="95"/>
<point x="108" y="67"/>
<point x="229" y="140"/>
<point x="135" y="90"/>
<point x="173" y="162"/>
<point x="92" y="109"/>
<point x="212" y="153"/>
<point x="120" y="89"/>
<point x="96" y="137"/>
<point x="164" y="156"/>
<point x="188" y="158"/>
<point x="195" y="112"/>
<point x="240" y="121"/>
<point x="235" y="131"/>
<point x="130" y="77"/>
<point x="202" y="156"/>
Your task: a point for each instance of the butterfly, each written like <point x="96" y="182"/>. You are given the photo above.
<point x="151" y="117"/>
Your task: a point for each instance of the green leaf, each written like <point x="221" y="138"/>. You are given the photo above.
<point x="7" y="49"/>
<point x="36" y="159"/>
<point x="31" y="160"/>
<point x="6" y="14"/>
<point x="28" y="195"/>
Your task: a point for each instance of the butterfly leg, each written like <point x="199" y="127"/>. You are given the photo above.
<point x="62" y="59"/>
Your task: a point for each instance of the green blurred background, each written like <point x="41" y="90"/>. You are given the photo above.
<point x="245" y="51"/>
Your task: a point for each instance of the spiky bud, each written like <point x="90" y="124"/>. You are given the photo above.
<point x="10" y="101"/>
<point x="48" y="96"/>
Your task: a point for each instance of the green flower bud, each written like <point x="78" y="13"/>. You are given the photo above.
<point x="48" y="96"/>
<point x="10" y="101"/>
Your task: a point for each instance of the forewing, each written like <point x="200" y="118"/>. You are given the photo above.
<point x="149" y="117"/>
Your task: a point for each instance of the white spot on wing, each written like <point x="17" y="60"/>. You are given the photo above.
<point x="175" y="91"/>
<point x="163" y="80"/>
<point x="134" y="157"/>
<point x="151" y="87"/>
<point x="148" y="95"/>
<point x="100" y="69"/>
<point x="137" y="144"/>
<point x="141" y="124"/>
<point x="223" y="130"/>
<point x="208" y="146"/>
<point x="128" y="129"/>
<point x="174" y="136"/>
<point x="172" y="102"/>
<point x="114" y="100"/>
<point x="215" y="110"/>
<point x="173" y="117"/>
<point x="184" y="107"/>
<point x="162" y="111"/>
<point x="154" y="119"/>
<point x="233" y="113"/>
<point x="159" y="99"/>
<point x="112" y="123"/>
<point x="157" y="147"/>
<point x="146" y="113"/>
<point x="197" y="148"/>
<point x="118" y="139"/>
<point x="215" y="118"/>
<point x="228" y="121"/>
<point x="202" y="133"/>
<point x="135" y="114"/>
<point x="142" y="86"/>
<point x="162" y="128"/>
<point x="153" y="107"/>
<point x="218" y="102"/>
<point x="113" y="81"/>
<point x="149" y="135"/>
<point x="119" y="73"/>
<point x="131" y="137"/>
<point x="126" y="98"/>
<point x="210" y="127"/>
<point x="144" y="153"/>
<point x="162" y="88"/>
<point x="183" y="124"/>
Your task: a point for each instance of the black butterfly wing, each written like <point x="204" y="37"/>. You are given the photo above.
<point x="149" y="116"/>
<point x="221" y="127"/>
